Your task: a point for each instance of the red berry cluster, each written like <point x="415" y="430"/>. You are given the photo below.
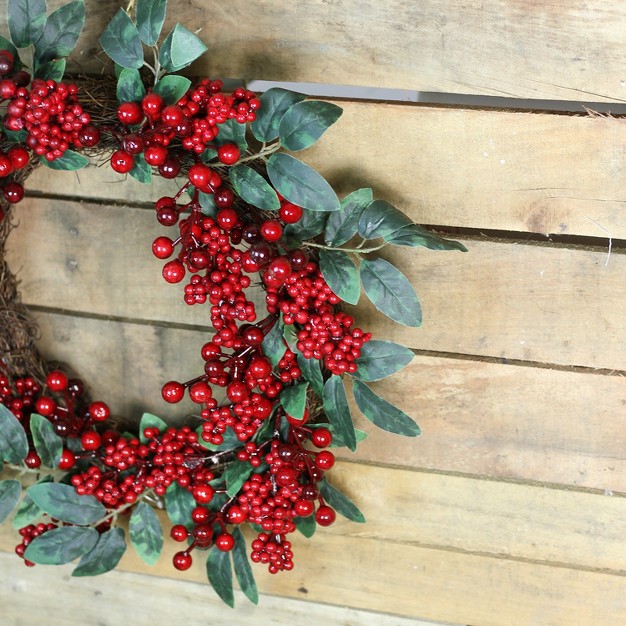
<point x="29" y="533"/>
<point x="19" y="395"/>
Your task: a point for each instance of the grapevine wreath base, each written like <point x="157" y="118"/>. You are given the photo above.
<point x="270" y="393"/>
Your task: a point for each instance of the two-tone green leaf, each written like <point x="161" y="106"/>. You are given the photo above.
<point x="341" y="274"/>
<point x="236" y="475"/>
<point x="130" y="87"/>
<point x="62" y="502"/>
<point x="70" y="162"/>
<point x="150" y="15"/>
<point x="305" y="122"/>
<point x="10" y="491"/>
<point x="104" y="556"/>
<point x="306" y="525"/>
<point x="179" y="503"/>
<point x="274" y="104"/>
<point x="48" y="444"/>
<point x="243" y="571"/>
<point x="148" y="420"/>
<point x="380" y="219"/>
<point x="342" y="225"/>
<point x="61" y="545"/>
<point x="380" y="359"/>
<point x="312" y="373"/>
<point x="146" y="533"/>
<point x="27" y="512"/>
<point x="231" y="131"/>
<point x="253" y="188"/>
<point x="274" y="346"/>
<point x="141" y="171"/>
<point x="121" y="41"/>
<point x="172" y="88"/>
<point x="293" y="399"/>
<point x="26" y="20"/>
<point x="180" y="49"/>
<point x="61" y="32"/>
<point x="52" y="70"/>
<point x="340" y="502"/>
<point x="338" y="411"/>
<point x="220" y="574"/>
<point x="310" y="225"/>
<point x="416" y="236"/>
<point x="13" y="441"/>
<point x="207" y="204"/>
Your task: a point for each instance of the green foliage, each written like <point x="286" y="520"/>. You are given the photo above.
<point x="104" y="556"/>
<point x="342" y="225"/>
<point x="338" y="411"/>
<point x="130" y="87"/>
<point x="121" y="41"/>
<point x="380" y="218"/>
<point x="243" y="571"/>
<point x="52" y="70"/>
<point x="274" y="104"/>
<point x="13" y="441"/>
<point x="306" y="525"/>
<point x="231" y="131"/>
<point x="61" y="32"/>
<point x="141" y="171"/>
<point x="148" y="420"/>
<point x="253" y="188"/>
<point x="150" y="15"/>
<point x="341" y="503"/>
<point x="293" y="400"/>
<point x="274" y="346"/>
<point x="172" y="88"/>
<point x="27" y="512"/>
<point x="61" y="545"/>
<point x="414" y="236"/>
<point x="63" y="503"/>
<point x="312" y="373"/>
<point x="380" y="359"/>
<point x="220" y="575"/>
<point x="311" y="224"/>
<point x="178" y="504"/>
<point x="236" y="475"/>
<point x="48" y="444"/>
<point x="146" y="533"/>
<point x="341" y="274"/>
<point x="70" y="161"/>
<point x="180" y="49"/>
<point x="10" y="491"/>
<point x="26" y="20"/>
<point x="305" y="122"/>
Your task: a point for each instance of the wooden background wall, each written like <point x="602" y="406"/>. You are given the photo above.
<point x="511" y="507"/>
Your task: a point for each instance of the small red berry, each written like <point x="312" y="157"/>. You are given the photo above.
<point x="200" y="176"/>
<point x="122" y="162"/>
<point x="173" y="392"/>
<point x="129" y="113"/>
<point x="228" y="154"/>
<point x="172" y="115"/>
<point x="324" y="460"/>
<point x="163" y="247"/>
<point x="19" y="157"/>
<point x="90" y="440"/>
<point x="325" y="516"/>
<point x="32" y="460"/>
<point x="179" y="533"/>
<point x="99" y="411"/>
<point x="203" y="494"/>
<point x="321" y="437"/>
<point x="182" y="561"/>
<point x="57" y="380"/>
<point x="89" y="136"/>
<point x="227" y="218"/>
<point x="13" y="192"/>
<point x="173" y="271"/>
<point x="67" y="460"/>
<point x="152" y="104"/>
<point x="155" y="155"/>
<point x="290" y="213"/>
<point x="225" y="542"/>
<point x="271" y="230"/>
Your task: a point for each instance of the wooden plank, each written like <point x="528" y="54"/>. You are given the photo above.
<point x="559" y="50"/>
<point x="549" y="174"/>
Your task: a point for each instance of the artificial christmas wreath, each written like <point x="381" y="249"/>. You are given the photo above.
<point x="270" y="392"/>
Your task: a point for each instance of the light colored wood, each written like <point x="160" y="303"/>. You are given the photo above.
<point x="548" y="174"/>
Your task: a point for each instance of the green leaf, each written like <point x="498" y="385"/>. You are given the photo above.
<point x="380" y="218"/>
<point x="306" y="525"/>
<point x="180" y="49"/>
<point x="178" y="504"/>
<point x="146" y="533"/>
<point x="18" y="136"/>
<point x="274" y="346"/>
<point x="62" y="502"/>
<point x="172" y="88"/>
<point x="141" y="171"/>
<point x="301" y="184"/>
<point x="338" y="441"/>
<point x="342" y="225"/>
<point x="290" y="335"/>
<point x="26" y="19"/>
<point x="104" y="556"/>
<point x="48" y="444"/>
<point x="130" y="87"/>
<point x="220" y="575"/>
<point x="27" y="512"/>
<point x="10" y="492"/>
<point x="293" y="399"/>
<point x="243" y="571"/>
<point x="5" y="44"/>
<point x="121" y="41"/>
<point x="52" y="70"/>
<point x="253" y="188"/>
<point x="70" y="161"/>
<point x="390" y="292"/>
<point x="231" y="131"/>
<point x="380" y="359"/>
<point x="148" y="420"/>
<point x="13" y="441"/>
<point x="310" y="225"/>
<point x="383" y="414"/>
<point x="61" y="545"/>
<point x="236" y="475"/>
<point x="416" y="236"/>
<point x="207" y="203"/>
<point x="150" y="15"/>
<point x="340" y="272"/>
<point x="61" y="32"/>
<point x="341" y="503"/>
<point x="274" y="104"/>
<point x="312" y="372"/>
<point x="338" y="411"/>
<point x="305" y="122"/>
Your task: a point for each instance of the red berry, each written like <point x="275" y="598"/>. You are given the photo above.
<point x="156" y="155"/>
<point x="163" y="247"/>
<point x="172" y="115"/>
<point x="179" y="533"/>
<point x="324" y="460"/>
<point x="67" y="460"/>
<point x="129" y="113"/>
<point x="303" y="508"/>
<point x="7" y="89"/>
<point x="57" y="380"/>
<point x="182" y="561"/>
<point x="236" y="515"/>
<point x="325" y="516"/>
<point x="298" y="422"/>
<point x="19" y="157"/>
<point x="203" y="494"/>
<point x="225" y="542"/>
<point x="200" y="515"/>
<point x="90" y="440"/>
<point x="99" y="411"/>
<point x="122" y="162"/>
<point x="228" y="154"/>
<point x="6" y="167"/>
<point x="173" y="271"/>
<point x="89" y="136"/>
<point x="170" y="168"/>
<point x="321" y="437"/>
<point x="13" y="192"/>
<point x="227" y="218"/>
<point x="173" y="392"/>
<point x="200" y="176"/>
<point x="224" y="198"/>
<point x="152" y="104"/>
<point x="271" y="230"/>
<point x="32" y="460"/>
<point x="290" y="213"/>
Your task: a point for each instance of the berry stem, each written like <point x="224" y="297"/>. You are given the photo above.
<point x="357" y="250"/>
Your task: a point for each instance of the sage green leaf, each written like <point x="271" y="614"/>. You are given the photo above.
<point x="416" y="236"/>
<point x="253" y="188"/>
<point x="48" y="444"/>
<point x="291" y="337"/>
<point x="70" y="161"/>
<point x="13" y="441"/>
<point x="180" y="49"/>
<point x="312" y="373"/>
<point x="274" y="346"/>
<point x="341" y="503"/>
<point x="141" y="171"/>
<point x="178" y="504"/>
<point x="61" y="32"/>
<point x="150" y="15"/>
<point x="62" y="502"/>
<point x="236" y="475"/>
<point x="207" y="204"/>
<point x="10" y="492"/>
<point x="342" y="225"/>
<point x="338" y="441"/>
<point x="231" y="131"/>
<point x="293" y="399"/>
<point x="148" y="420"/>
<point x="310" y="225"/>
<point x="220" y="575"/>
<point x="300" y="183"/>
<point x="390" y="292"/>
<point x="383" y="414"/>
<point x="340" y="272"/>
<point x="61" y="545"/>
<point x="104" y="556"/>
<point x="146" y="533"/>
<point x="274" y="104"/>
<point x="27" y="512"/>
<point x="121" y="41"/>
<point x="305" y="122"/>
<point x="172" y="88"/>
<point x="306" y="525"/>
<point x="338" y="411"/>
<point x="26" y="19"/>
<point x="130" y="87"/>
<point x="380" y="359"/>
<point x="380" y="218"/>
<point x="52" y="70"/>
<point x="243" y="571"/>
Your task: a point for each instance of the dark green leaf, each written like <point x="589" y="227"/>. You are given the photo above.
<point x="148" y="420"/>
<point x="390" y="292"/>
<point x="416" y="236"/>
<point x="146" y="534"/>
<point x="338" y="411"/>
<point x="220" y="575"/>
<point x="274" y="104"/>
<point x="380" y="218"/>
<point x="310" y="225"/>
<point x="62" y="502"/>
<point x="13" y="441"/>
<point x="383" y="414"/>
<point x="231" y="131"/>
<point x="207" y="203"/>
<point x="312" y="373"/>
<point x="121" y="41"/>
<point x="338" y="441"/>
<point x="342" y="225"/>
<point x="178" y="504"/>
<point x="70" y="161"/>
<point x="48" y="444"/>
<point x="230" y="441"/>
<point x="236" y="475"/>
<point x="10" y="491"/>
<point x="253" y="188"/>
<point x="243" y="571"/>
<point x="180" y="48"/>
<point x="380" y="359"/>
<point x="104" y="556"/>
<point x="274" y="346"/>
<point x="172" y="88"/>
<point x="27" y="512"/>
<point x="305" y="122"/>
<point x="61" y="32"/>
<point x="291" y="337"/>
<point x="141" y="171"/>
<point x="340" y="272"/>
<point x="306" y="525"/>
<point x="27" y="19"/>
<point x="209" y="155"/>
<point x="61" y="545"/>
<point x="52" y="70"/>
<point x="5" y="44"/>
<point x="150" y="15"/>
<point x="342" y="504"/>
<point x="301" y="184"/>
<point x="130" y="87"/>
<point x="293" y="399"/>
<point x="18" y="136"/>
